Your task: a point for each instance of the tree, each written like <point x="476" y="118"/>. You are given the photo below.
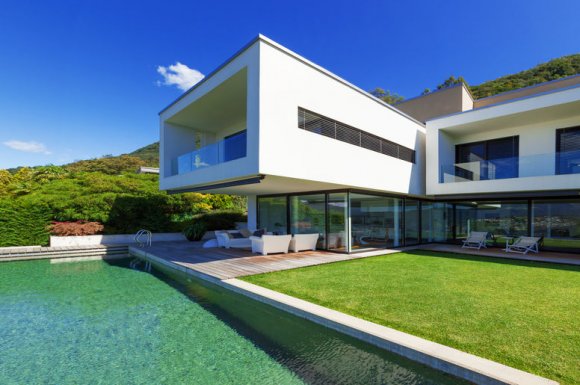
<point x="451" y="81"/>
<point x="426" y="91"/>
<point x="387" y="96"/>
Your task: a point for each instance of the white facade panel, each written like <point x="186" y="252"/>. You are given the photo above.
<point x="288" y="151"/>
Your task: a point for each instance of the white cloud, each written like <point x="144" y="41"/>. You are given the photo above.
<point x="30" y="146"/>
<point x="179" y="75"/>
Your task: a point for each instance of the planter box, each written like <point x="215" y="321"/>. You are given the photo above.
<point x="124" y="239"/>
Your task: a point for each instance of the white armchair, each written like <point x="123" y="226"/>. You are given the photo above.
<point x="270" y="244"/>
<point x="301" y="242"/>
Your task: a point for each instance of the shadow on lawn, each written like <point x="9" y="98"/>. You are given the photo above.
<point x="498" y="260"/>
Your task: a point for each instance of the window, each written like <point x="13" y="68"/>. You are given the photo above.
<point x="235" y="146"/>
<point x="376" y="221"/>
<point x="272" y="214"/>
<point x="337" y="212"/>
<point x="318" y="124"/>
<point x="558" y="221"/>
<point x="308" y="216"/>
<point x="501" y="218"/>
<point x="412" y="222"/>
<point x="491" y="159"/>
<point x="568" y="150"/>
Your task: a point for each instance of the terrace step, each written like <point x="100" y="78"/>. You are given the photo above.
<point x="37" y="252"/>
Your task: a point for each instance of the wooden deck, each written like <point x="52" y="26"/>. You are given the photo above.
<point x="231" y="263"/>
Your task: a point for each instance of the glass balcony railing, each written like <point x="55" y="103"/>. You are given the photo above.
<point x="513" y="167"/>
<point x="230" y="148"/>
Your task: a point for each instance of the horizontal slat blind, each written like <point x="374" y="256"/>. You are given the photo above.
<point x="322" y="125"/>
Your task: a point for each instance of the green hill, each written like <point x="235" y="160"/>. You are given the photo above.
<point x="149" y="154"/>
<point x="106" y="190"/>
<point x="552" y="70"/>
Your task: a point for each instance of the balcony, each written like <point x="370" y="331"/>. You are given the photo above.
<point x="548" y="164"/>
<point x="230" y="148"/>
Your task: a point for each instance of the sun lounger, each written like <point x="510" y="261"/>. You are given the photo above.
<point x="524" y="244"/>
<point x="476" y="240"/>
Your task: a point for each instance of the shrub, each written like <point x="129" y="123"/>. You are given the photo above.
<point x="215" y="220"/>
<point x="75" y="228"/>
<point x="195" y="231"/>
<point x="23" y="223"/>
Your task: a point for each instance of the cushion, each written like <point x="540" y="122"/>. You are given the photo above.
<point x="246" y="233"/>
<point x="259" y="233"/>
<point x="236" y="235"/>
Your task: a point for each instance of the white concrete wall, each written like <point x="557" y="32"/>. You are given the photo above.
<point x="236" y="169"/>
<point x="252" y="212"/>
<point x="288" y="151"/>
<point x="90" y="240"/>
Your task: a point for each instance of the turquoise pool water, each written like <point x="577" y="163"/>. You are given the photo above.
<point x="102" y="323"/>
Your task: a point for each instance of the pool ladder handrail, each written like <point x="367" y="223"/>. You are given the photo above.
<point x="134" y="264"/>
<point x="139" y="238"/>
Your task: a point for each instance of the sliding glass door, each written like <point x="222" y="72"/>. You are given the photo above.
<point x="337" y="210"/>
<point x="272" y="214"/>
<point x="412" y="222"/>
<point x="308" y="216"/>
<point x="375" y="221"/>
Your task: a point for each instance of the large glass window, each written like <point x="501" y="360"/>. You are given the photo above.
<point x="568" y="150"/>
<point x="375" y="221"/>
<point x="491" y="159"/>
<point x="412" y="229"/>
<point x="272" y="214"/>
<point x="558" y="222"/>
<point x="308" y="216"/>
<point x="235" y="146"/>
<point x="436" y="221"/>
<point x="502" y="219"/>
<point x="337" y="222"/>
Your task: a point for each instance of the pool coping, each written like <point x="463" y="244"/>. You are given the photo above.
<point x="443" y="358"/>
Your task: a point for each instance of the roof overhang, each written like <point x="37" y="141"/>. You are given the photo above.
<point x="555" y="105"/>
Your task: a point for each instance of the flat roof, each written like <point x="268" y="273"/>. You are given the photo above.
<point x="475" y="110"/>
<point x="285" y="50"/>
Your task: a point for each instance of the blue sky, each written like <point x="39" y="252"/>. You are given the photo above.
<point x="80" y="79"/>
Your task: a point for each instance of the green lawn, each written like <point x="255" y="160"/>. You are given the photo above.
<point x="522" y="314"/>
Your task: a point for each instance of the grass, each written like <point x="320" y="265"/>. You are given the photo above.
<point x="522" y="314"/>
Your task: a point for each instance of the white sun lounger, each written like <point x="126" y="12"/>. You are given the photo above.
<point x="476" y="240"/>
<point x="524" y="244"/>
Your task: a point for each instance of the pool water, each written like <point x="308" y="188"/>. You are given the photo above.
<point x="100" y="322"/>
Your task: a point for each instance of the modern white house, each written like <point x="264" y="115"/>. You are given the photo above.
<point x="316" y="154"/>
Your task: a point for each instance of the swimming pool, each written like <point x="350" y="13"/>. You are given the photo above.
<point x="100" y="322"/>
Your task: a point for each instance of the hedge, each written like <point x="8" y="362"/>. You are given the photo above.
<point x="22" y="224"/>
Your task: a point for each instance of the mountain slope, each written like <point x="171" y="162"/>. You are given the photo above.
<point x="552" y="70"/>
<point x="149" y="154"/>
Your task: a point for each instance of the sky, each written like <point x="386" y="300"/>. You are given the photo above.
<point x="84" y="78"/>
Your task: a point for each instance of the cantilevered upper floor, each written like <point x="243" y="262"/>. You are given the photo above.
<point x="269" y="121"/>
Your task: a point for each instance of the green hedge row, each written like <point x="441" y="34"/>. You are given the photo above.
<point x="23" y="224"/>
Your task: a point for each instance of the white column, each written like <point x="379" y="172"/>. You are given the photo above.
<point x="252" y="212"/>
